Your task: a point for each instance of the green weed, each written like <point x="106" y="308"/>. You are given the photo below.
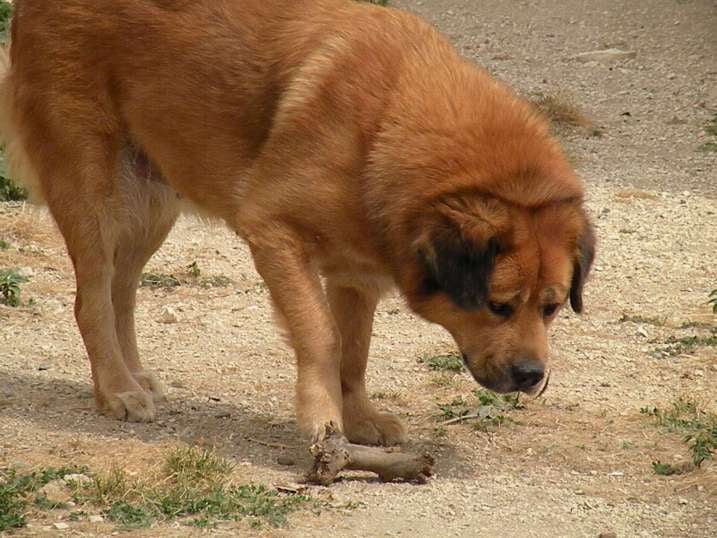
<point x="216" y="281"/>
<point x="458" y="407"/>
<point x="193" y="269"/>
<point x="10" y="281"/>
<point x="663" y="469"/>
<point x="647" y="320"/>
<point x="686" y="344"/>
<point x="158" y="280"/>
<point x="711" y="127"/>
<point x="5" y="16"/>
<point x="488" y="410"/>
<point x="450" y="362"/>
<point x="9" y="191"/>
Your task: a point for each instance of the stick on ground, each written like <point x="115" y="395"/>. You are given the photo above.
<point x="335" y="453"/>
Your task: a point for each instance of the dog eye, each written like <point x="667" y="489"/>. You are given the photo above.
<point x="501" y="309"/>
<point x="549" y="310"/>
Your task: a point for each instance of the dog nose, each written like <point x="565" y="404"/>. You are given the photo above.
<point x="527" y="373"/>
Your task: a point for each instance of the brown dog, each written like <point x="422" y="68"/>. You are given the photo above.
<point x="337" y="139"/>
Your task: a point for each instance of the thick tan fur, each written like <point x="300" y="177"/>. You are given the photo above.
<point x="336" y="138"/>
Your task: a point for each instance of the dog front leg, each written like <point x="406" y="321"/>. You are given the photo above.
<point x="298" y="296"/>
<point x="353" y="309"/>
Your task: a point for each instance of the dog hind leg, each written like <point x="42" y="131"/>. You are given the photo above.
<point x="150" y="210"/>
<point x="77" y="168"/>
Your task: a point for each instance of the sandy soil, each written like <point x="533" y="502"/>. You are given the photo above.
<point x="577" y="462"/>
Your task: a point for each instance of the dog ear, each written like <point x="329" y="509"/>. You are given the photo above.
<point x="583" y="263"/>
<point x="458" y="267"/>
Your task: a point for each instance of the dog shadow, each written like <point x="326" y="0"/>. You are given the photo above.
<point x="242" y="432"/>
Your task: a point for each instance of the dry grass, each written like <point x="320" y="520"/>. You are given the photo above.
<point x="32" y="225"/>
<point x="561" y="110"/>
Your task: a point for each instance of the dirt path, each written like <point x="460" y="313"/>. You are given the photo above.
<point x="577" y="462"/>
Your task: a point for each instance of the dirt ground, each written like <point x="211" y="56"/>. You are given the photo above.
<point x="576" y="462"/>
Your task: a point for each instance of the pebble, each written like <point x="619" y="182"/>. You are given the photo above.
<point x="168" y="315"/>
<point x="96" y="518"/>
<point x="61" y="526"/>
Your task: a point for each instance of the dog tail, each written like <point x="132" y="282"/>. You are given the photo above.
<point x="14" y="161"/>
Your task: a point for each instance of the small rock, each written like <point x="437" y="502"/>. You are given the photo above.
<point x="286" y="460"/>
<point x="96" y="518"/>
<point x="682" y="501"/>
<point x="55" y="492"/>
<point x="26" y="272"/>
<point x="642" y="332"/>
<point x="607" y="535"/>
<point x="168" y="315"/>
<point x="61" y="526"/>
<point x="606" y="55"/>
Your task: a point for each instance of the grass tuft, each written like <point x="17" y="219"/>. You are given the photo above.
<point x="16" y="490"/>
<point x="699" y="427"/>
<point x="674" y="346"/>
<point x="165" y="281"/>
<point x="193" y="486"/>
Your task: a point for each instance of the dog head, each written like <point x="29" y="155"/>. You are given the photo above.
<point x="495" y="275"/>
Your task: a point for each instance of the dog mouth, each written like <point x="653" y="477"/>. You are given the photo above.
<point x="536" y="391"/>
<point x="502" y="386"/>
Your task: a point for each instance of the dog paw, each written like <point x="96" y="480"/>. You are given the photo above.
<point x="151" y="383"/>
<point x="134" y="406"/>
<point x="366" y="426"/>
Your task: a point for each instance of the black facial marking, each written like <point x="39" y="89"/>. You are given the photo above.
<point x="581" y="268"/>
<point x="460" y="269"/>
